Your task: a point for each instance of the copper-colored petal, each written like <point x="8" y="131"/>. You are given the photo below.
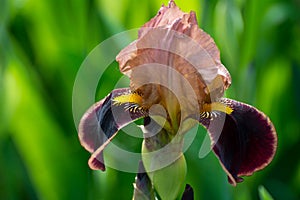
<point x="247" y="141"/>
<point x="173" y="38"/>
<point x="100" y="124"/>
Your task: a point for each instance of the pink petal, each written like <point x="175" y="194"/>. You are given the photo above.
<point x="173" y="38"/>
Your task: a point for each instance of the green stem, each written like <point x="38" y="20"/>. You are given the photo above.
<point x="164" y="161"/>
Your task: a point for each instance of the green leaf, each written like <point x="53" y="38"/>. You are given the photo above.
<point x="264" y="194"/>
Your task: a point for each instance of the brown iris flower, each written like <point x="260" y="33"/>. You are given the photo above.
<point x="177" y="78"/>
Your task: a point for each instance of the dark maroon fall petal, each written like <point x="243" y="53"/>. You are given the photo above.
<point x="100" y="124"/>
<point x="244" y="141"/>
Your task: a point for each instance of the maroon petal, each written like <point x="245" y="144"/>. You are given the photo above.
<point x="100" y="124"/>
<point x="247" y="141"/>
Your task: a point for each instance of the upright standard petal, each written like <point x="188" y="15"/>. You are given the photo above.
<point x="100" y="124"/>
<point x="244" y="141"/>
<point x="173" y="38"/>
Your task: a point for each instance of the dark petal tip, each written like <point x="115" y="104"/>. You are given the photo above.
<point x="188" y="193"/>
<point x="247" y="142"/>
<point x="235" y="180"/>
<point x="96" y="164"/>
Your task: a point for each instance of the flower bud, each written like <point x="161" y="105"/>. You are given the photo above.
<point x="166" y="169"/>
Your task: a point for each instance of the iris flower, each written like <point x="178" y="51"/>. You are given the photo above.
<point x="177" y="79"/>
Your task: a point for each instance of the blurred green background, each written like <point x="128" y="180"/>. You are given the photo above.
<point x="42" y="45"/>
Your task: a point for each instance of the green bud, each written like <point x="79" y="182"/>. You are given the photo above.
<point x="166" y="169"/>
